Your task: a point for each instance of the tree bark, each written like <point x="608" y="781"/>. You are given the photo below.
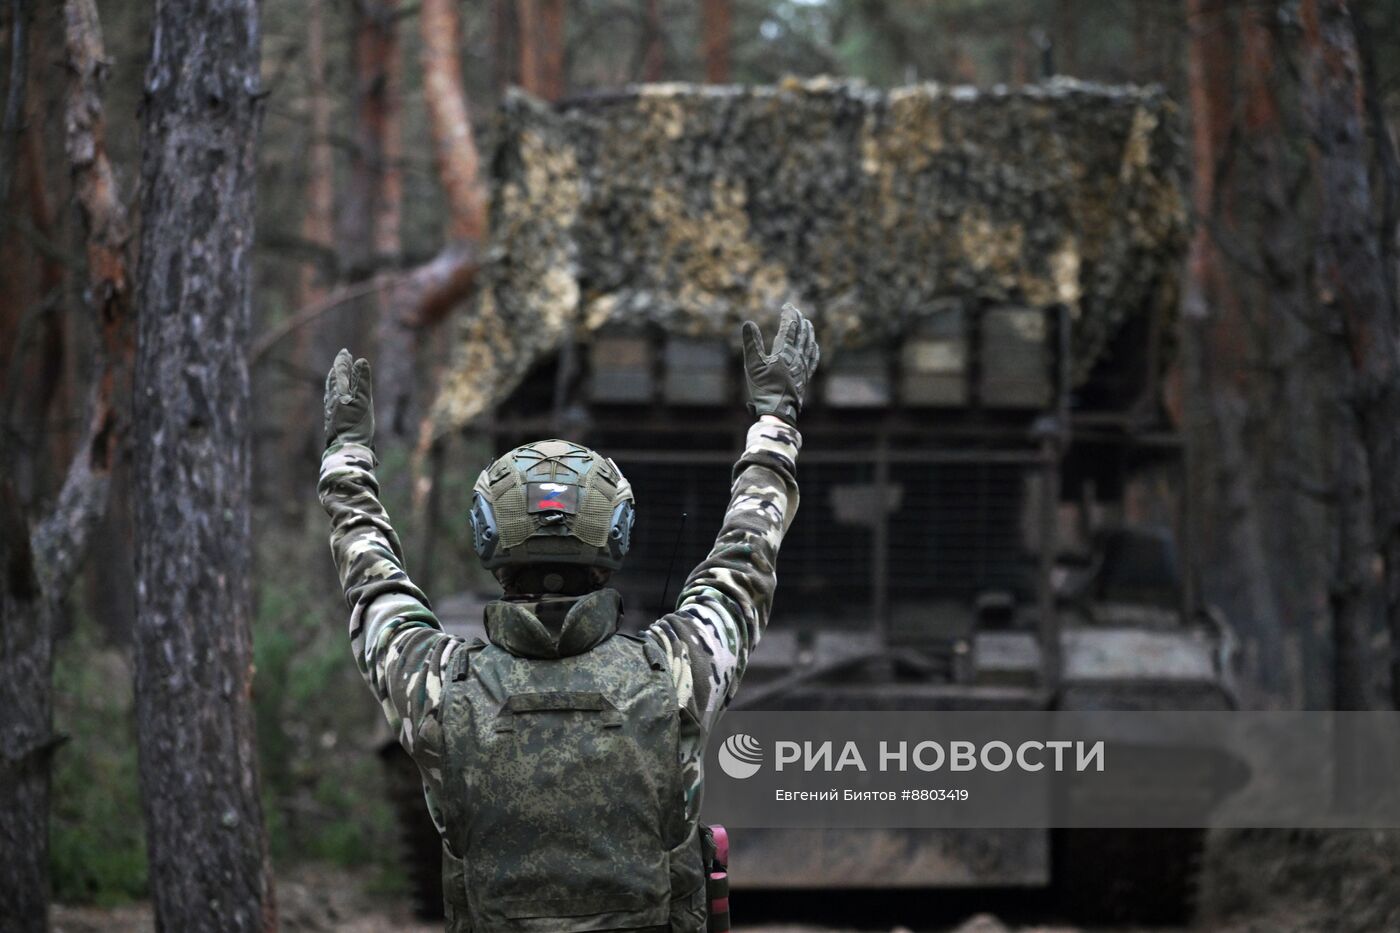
<point x="542" y="47"/>
<point x="298" y="447"/>
<point x="11" y="116"/>
<point x="434" y="287"/>
<point x="26" y="730"/>
<point x="1296" y="349"/>
<point x="1352" y="607"/>
<point x="396" y="355"/>
<point x="1219" y="481"/>
<point x="318" y="223"/>
<point x="426" y="296"/>
<point x="1352" y="279"/>
<point x="39" y="564"/>
<point x="527" y="21"/>
<point x="653" y="54"/>
<point x="454" y="146"/>
<point x="358" y="202"/>
<point x="32" y="333"/>
<point x="1021" y="52"/>
<point x="505" y="55"/>
<point x="554" y="82"/>
<point x="1271" y="536"/>
<point x="375" y="67"/>
<point x="1067" y="26"/>
<point x="207" y="852"/>
<point x="388" y="132"/>
<point x="715" y="16"/>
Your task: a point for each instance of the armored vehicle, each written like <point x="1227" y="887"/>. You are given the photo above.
<point x="991" y="499"/>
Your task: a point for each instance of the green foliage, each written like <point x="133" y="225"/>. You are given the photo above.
<point x="324" y="795"/>
<point x="97" y="845"/>
<point x="318" y="729"/>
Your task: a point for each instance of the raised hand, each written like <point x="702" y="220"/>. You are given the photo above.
<point x="349" y="402"/>
<point x="777" y="381"/>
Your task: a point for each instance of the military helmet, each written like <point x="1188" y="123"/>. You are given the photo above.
<point x="552" y="502"/>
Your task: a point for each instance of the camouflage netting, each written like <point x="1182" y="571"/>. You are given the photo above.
<point x="696" y="207"/>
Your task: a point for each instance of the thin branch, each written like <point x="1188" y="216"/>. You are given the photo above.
<point x="422" y="296"/>
<point x="305" y="315"/>
<point x="42" y="244"/>
<point x="61" y="538"/>
<point x="434" y="288"/>
<point x="300" y="249"/>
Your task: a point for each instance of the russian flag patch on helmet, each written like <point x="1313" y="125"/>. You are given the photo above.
<point x="552" y="497"/>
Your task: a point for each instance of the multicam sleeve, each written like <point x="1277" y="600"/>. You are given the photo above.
<point x="397" y="641"/>
<point x="725" y="602"/>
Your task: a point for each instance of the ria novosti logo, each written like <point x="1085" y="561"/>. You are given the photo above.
<point x="740" y="756"/>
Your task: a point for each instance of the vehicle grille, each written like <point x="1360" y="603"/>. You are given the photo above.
<point x="953" y="530"/>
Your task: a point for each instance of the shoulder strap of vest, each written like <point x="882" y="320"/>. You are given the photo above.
<point x="463" y="659"/>
<point x="649" y="648"/>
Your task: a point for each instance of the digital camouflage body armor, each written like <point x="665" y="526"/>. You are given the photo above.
<point x="566" y="798"/>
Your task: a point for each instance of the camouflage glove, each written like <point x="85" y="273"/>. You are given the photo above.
<point x="349" y="405"/>
<point x="777" y="381"/>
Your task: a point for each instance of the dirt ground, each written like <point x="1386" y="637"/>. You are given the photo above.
<point x="324" y="900"/>
<point x="313" y="899"/>
<point x="1257" y="881"/>
<point x="292" y="902"/>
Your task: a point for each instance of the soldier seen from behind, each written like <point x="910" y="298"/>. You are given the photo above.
<point x="562" y="760"/>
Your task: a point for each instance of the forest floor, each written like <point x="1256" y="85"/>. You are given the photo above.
<point x="1252" y="882"/>
<point x="311" y="899"/>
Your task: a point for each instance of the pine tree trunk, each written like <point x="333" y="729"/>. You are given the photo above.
<point x="714" y="39"/>
<point x="505" y="55"/>
<point x="554" y="82"/>
<point x="318" y="223"/>
<point x="1352" y="276"/>
<point x="1287" y="311"/>
<point x="455" y="155"/>
<point x="396" y="343"/>
<point x="357" y="205"/>
<point x="26" y="730"/>
<point x="1226" y="537"/>
<point x="39" y="560"/>
<point x="300" y="448"/>
<point x="542" y="47"/>
<point x="374" y="65"/>
<point x="437" y="286"/>
<point x="1067" y="27"/>
<point x="654" y="41"/>
<point x="1269" y="535"/>
<point x="208" y="859"/>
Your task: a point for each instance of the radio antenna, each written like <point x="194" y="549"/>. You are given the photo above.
<point x="675" y="549"/>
